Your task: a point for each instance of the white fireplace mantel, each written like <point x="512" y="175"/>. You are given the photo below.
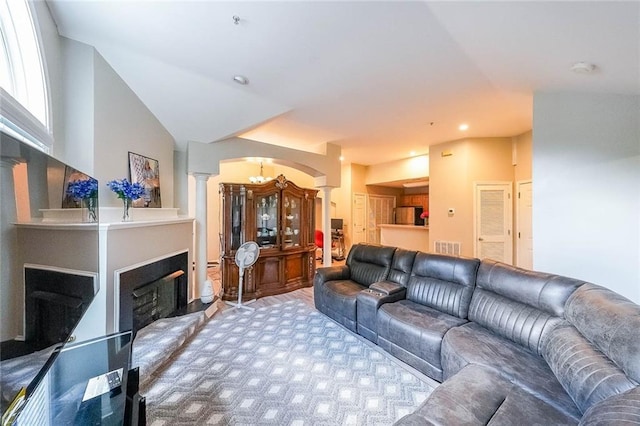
<point x="151" y="234"/>
<point x="109" y="215"/>
<point x="124" y="244"/>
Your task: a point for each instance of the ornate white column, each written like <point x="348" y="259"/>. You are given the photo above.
<point x="205" y="286"/>
<point x="326" y="225"/>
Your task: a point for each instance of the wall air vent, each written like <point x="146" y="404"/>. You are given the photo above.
<point x="447" y="247"/>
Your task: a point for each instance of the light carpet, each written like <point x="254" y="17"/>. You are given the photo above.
<point x="286" y="364"/>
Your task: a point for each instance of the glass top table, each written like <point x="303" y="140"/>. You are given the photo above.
<point x="86" y="384"/>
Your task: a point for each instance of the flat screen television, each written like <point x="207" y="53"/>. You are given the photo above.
<point x="336" y="224"/>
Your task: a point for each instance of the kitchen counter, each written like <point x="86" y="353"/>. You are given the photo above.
<point x="410" y="237"/>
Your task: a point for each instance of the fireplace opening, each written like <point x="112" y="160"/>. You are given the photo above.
<point x="55" y="301"/>
<point x="152" y="291"/>
<point x="158" y="299"/>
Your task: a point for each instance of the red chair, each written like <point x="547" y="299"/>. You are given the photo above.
<point x="320" y="242"/>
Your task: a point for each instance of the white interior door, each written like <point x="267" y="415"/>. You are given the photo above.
<point x="493" y="222"/>
<point x="524" y="230"/>
<point x="359" y="218"/>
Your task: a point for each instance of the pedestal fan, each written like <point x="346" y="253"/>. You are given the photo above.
<point x="246" y="256"/>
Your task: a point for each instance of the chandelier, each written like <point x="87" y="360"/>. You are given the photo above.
<point x="261" y="178"/>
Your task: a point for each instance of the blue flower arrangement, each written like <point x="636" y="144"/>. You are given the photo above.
<point x="83" y="189"/>
<point x="126" y="189"/>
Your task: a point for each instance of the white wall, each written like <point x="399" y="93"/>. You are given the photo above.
<point x="181" y="188"/>
<point x="124" y="124"/>
<point x="51" y="44"/>
<point x="586" y="188"/>
<point x="408" y="168"/>
<point x="74" y="141"/>
<point x="97" y="119"/>
<point x="451" y="181"/>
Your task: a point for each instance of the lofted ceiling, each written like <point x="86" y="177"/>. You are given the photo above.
<point x="380" y="79"/>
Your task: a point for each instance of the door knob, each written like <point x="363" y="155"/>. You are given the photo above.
<point x="480" y="239"/>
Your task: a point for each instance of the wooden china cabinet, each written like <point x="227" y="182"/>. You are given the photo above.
<point x="280" y="217"/>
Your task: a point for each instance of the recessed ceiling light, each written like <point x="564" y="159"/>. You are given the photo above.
<point x="240" y="79"/>
<point x="463" y="127"/>
<point x="583" y="68"/>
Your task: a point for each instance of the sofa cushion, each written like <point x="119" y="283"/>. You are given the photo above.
<point x="585" y="373"/>
<point x="369" y="263"/>
<point x="443" y="282"/>
<point x="543" y="291"/>
<point x="473" y="344"/>
<point x="481" y="396"/>
<point x="401" y="266"/>
<point x="517" y="304"/>
<point x="609" y="321"/>
<point x="518" y="322"/>
<point x="620" y="410"/>
<point x="413" y="333"/>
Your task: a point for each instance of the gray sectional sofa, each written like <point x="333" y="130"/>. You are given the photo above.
<point x="510" y="346"/>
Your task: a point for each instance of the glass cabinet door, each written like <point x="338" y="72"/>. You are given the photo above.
<point x="292" y="212"/>
<point x="267" y="220"/>
<point x="236" y="221"/>
<point x="310" y="217"/>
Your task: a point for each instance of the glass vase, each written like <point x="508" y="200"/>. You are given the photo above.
<point x="125" y="212"/>
<point x="90" y="209"/>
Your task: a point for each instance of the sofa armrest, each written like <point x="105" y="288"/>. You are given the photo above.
<point x="368" y="302"/>
<point x="618" y="409"/>
<point x="387" y="287"/>
<point x="331" y="273"/>
<point x="324" y="275"/>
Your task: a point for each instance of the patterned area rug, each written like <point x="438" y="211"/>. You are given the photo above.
<point x="286" y="364"/>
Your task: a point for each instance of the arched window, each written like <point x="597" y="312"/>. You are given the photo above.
<point x="24" y="104"/>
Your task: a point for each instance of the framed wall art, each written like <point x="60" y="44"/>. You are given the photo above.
<point x="145" y="171"/>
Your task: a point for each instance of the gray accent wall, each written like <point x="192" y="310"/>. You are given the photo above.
<point x="586" y="188"/>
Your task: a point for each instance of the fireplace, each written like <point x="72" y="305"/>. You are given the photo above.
<point x="158" y="299"/>
<point x="55" y="300"/>
<point x="152" y="291"/>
